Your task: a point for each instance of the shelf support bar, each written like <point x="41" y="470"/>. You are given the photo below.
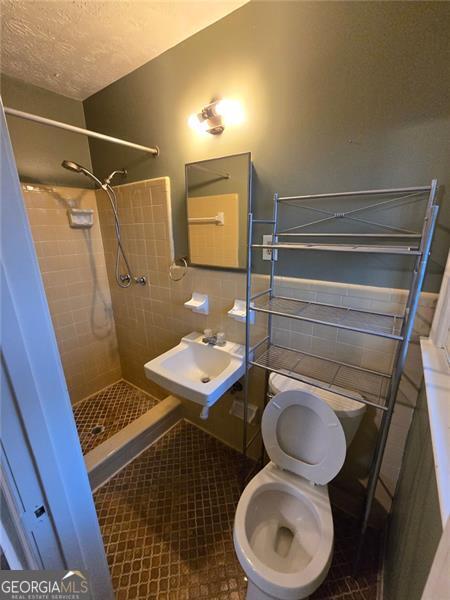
<point x="253" y="438"/>
<point x="415" y="236"/>
<point x="305" y="380"/>
<point x="248" y="295"/>
<point x="357" y="248"/>
<point x="424" y="188"/>
<point x="413" y="301"/>
<point x="299" y="317"/>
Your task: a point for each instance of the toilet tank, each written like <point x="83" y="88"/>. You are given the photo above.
<point x="349" y="412"/>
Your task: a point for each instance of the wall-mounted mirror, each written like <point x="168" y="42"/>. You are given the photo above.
<point x="217" y="198"/>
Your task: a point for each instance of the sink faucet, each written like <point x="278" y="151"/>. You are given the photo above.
<point x="213" y="340"/>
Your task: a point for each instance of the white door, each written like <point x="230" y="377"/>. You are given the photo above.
<point x="24" y="498"/>
<point x="43" y="467"/>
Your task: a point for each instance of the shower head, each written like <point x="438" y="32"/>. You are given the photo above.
<point x="72" y="166"/>
<point x="122" y="172"/>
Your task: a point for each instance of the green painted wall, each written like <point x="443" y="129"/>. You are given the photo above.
<point x="39" y="149"/>
<point x="415" y="524"/>
<point x="340" y="95"/>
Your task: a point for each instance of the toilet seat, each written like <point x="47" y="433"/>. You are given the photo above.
<point x="303" y="435"/>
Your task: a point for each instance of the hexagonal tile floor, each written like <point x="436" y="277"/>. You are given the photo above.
<point x="167" y="521"/>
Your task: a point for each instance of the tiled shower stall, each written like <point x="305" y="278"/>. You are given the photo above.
<point x="73" y="268"/>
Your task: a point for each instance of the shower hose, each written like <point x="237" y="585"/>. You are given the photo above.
<point x="123" y="281"/>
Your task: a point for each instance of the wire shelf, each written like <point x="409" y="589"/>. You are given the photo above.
<point x="363" y="385"/>
<point x="380" y="324"/>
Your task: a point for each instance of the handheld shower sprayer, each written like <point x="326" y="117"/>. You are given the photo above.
<point x="73" y="166"/>
<point x="123" y="280"/>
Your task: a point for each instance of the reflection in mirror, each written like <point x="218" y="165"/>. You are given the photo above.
<point x="217" y="198"/>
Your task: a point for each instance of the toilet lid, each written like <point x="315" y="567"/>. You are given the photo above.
<point x="303" y="435"/>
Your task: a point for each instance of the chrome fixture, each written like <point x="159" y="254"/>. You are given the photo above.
<point x="217" y="115"/>
<point x="123" y="280"/>
<point x="142" y="280"/>
<point x="213" y="340"/>
<point x="121" y="172"/>
<point x="174" y="264"/>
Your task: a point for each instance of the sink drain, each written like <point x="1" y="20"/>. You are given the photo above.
<point x="205" y="379"/>
<point x="97" y="429"/>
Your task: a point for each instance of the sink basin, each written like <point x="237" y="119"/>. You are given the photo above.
<point x="198" y="371"/>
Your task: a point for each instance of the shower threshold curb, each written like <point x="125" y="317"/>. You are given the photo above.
<point x="108" y="458"/>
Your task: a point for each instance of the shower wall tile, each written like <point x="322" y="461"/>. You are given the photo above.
<point x="73" y="269"/>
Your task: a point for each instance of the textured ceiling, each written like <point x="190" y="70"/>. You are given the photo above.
<point x="76" y="48"/>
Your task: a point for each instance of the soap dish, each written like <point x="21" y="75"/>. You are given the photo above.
<point x="238" y="312"/>
<point x="81" y="218"/>
<point x="198" y="303"/>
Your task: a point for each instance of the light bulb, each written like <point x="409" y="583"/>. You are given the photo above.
<point x="231" y="111"/>
<point x="197" y="124"/>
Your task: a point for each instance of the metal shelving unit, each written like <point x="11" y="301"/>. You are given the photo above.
<point x="376" y="389"/>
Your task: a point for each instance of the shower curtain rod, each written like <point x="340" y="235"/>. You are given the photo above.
<point x="94" y="134"/>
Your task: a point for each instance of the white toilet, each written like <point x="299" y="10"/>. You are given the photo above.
<point x="283" y="529"/>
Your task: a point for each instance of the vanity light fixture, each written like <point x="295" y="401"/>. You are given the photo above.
<point x="217" y="115"/>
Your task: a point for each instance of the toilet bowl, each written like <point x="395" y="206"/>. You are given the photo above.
<point x="283" y="529"/>
<point x="283" y="535"/>
<point x="349" y="411"/>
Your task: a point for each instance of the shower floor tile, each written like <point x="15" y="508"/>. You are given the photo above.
<point x="167" y="523"/>
<point x="111" y="409"/>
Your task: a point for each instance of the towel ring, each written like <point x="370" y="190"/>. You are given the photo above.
<point x="174" y="264"/>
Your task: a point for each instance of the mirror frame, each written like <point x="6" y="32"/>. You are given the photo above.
<point x="248" y="208"/>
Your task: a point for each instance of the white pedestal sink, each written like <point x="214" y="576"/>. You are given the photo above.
<point x="198" y="371"/>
